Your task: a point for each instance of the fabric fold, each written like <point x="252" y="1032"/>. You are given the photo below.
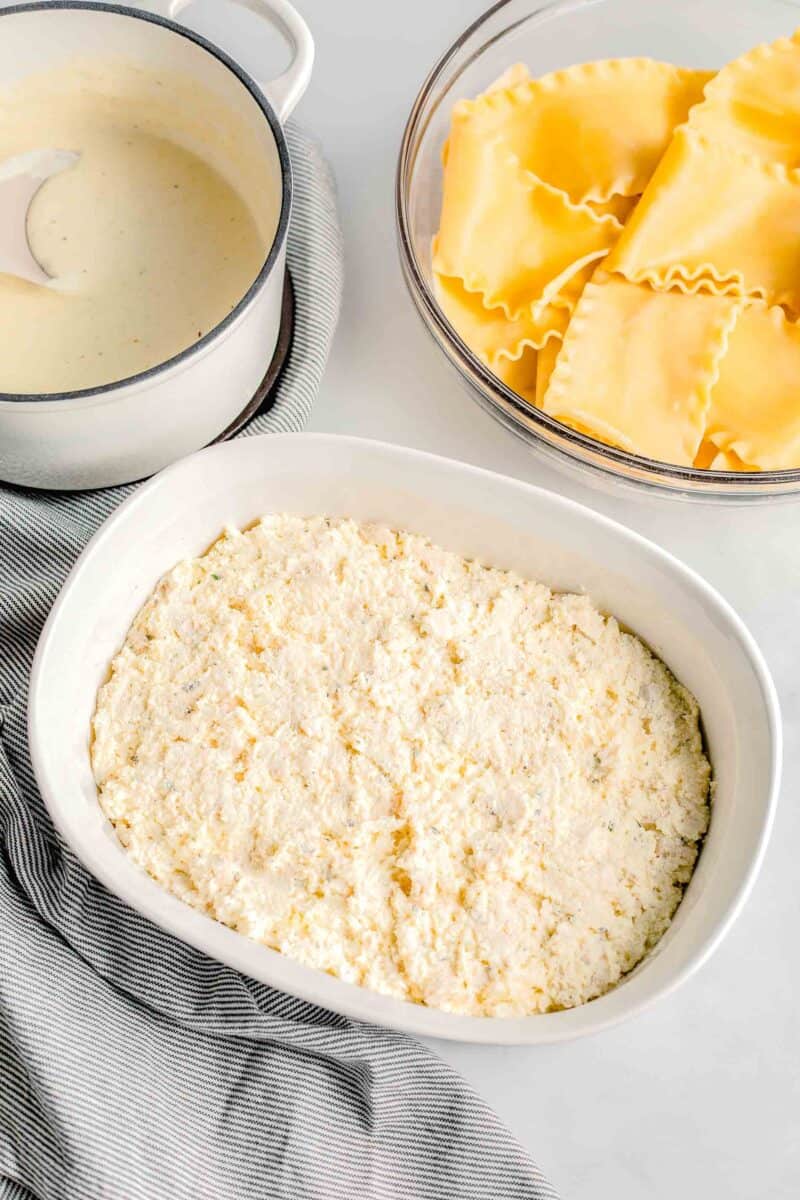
<point x="132" y="1066"/>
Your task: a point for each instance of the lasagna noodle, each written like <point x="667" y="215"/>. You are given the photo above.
<point x="594" y="130"/>
<point x="517" y="73"/>
<point x="506" y="234"/>
<point x="705" y="455"/>
<point x="529" y="374"/>
<point x="754" y="414"/>
<point x="717" y="220"/>
<point x="753" y="104"/>
<point x="488" y="332"/>
<point x="520" y="373"/>
<point x="571" y="288"/>
<point x="620" y="207"/>
<point x="637" y="366"/>
<point x="728" y="460"/>
<point x="710" y="458"/>
<point x="545" y="367"/>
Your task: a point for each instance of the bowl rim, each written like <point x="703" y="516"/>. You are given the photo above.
<point x="669" y="477"/>
<point x="279" y="237"/>
<point x="209" y="936"/>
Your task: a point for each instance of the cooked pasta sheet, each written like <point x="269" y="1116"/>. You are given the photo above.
<point x="548" y="356"/>
<point x="619" y="378"/>
<point x="595" y="130"/>
<point x="521" y="374"/>
<point x="488" y="331"/>
<point x="753" y="104"/>
<point x="717" y="220"/>
<point x="507" y="234"/>
<point x="754" y="415"/>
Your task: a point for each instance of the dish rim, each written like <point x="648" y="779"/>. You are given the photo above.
<point x="314" y="986"/>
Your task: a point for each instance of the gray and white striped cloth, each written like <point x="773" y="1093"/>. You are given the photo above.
<point x="133" y="1067"/>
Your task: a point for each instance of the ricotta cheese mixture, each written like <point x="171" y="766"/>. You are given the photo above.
<point x="429" y="777"/>
<point x="148" y="238"/>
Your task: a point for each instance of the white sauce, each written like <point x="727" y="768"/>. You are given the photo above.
<point x="428" y="777"/>
<point x="150" y="246"/>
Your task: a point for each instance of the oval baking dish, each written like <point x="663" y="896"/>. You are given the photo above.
<point x="481" y="515"/>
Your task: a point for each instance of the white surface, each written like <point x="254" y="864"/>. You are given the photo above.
<point x="699" y="1097"/>
<point x="479" y="515"/>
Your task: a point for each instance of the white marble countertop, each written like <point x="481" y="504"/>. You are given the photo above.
<point x="700" y="1097"/>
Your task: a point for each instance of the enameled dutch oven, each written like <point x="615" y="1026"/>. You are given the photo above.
<point x="128" y="429"/>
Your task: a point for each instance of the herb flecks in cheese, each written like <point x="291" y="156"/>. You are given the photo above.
<point x="432" y="778"/>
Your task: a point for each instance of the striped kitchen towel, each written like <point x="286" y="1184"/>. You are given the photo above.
<point x="133" y="1067"/>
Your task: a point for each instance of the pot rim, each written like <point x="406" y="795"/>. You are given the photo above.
<point x="278" y="240"/>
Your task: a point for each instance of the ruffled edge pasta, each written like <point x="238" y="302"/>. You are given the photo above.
<point x="498" y="97"/>
<point x="706" y="277"/>
<point x="556" y="400"/>
<point x="746" y="448"/>
<point x="710" y="458"/>
<point x="478" y="282"/>
<point x="749" y="61"/>
<point x="545" y="321"/>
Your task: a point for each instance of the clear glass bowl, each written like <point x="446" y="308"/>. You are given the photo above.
<point x="547" y="36"/>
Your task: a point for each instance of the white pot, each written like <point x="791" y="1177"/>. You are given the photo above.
<point x="131" y="428"/>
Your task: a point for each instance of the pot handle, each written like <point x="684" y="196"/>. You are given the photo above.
<point x="284" y="92"/>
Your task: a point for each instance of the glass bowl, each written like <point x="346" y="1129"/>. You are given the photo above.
<point x="546" y="37"/>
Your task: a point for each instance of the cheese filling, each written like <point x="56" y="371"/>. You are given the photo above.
<point x="432" y="778"/>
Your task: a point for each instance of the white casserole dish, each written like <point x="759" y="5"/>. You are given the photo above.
<point x="498" y="520"/>
<point x="131" y="428"/>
